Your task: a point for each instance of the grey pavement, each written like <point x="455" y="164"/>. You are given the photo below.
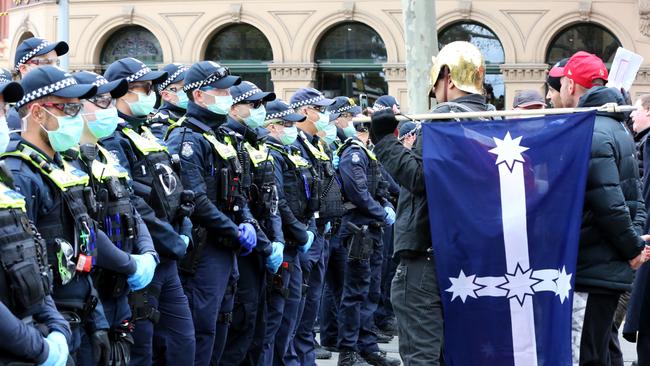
<point x="629" y="352"/>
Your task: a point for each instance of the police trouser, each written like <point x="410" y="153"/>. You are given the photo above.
<point x="282" y="310"/>
<point x="246" y="333"/>
<point x="384" y="313"/>
<point x="225" y="318"/>
<point x="361" y="291"/>
<point x="205" y="292"/>
<point x="332" y="292"/>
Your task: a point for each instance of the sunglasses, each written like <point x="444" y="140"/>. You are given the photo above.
<point x="283" y="123"/>
<point x="102" y="101"/>
<point x="70" y="109"/>
<point x="146" y="86"/>
<point x="346" y="115"/>
<point x="318" y="109"/>
<point x="44" y="61"/>
<point x="256" y="104"/>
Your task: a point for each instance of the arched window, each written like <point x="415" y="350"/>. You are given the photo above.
<point x="24" y="36"/>
<point x="245" y="50"/>
<point x="132" y="41"/>
<point x="589" y="37"/>
<point x="492" y="50"/>
<point x="350" y="59"/>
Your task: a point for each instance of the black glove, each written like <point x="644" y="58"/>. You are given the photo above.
<point x="101" y="347"/>
<point x="121" y="349"/>
<point x="383" y="124"/>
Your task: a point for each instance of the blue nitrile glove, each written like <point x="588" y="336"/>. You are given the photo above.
<point x="310" y="240"/>
<point x="389" y="219"/>
<point x="335" y="161"/>
<point x="274" y="260"/>
<point x="58" y="350"/>
<point x="186" y="231"/>
<point x="247" y="238"/>
<point x="328" y="228"/>
<point x="146" y="265"/>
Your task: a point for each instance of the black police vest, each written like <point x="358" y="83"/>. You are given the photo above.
<point x="69" y="231"/>
<point x="376" y="187"/>
<point x="25" y="278"/>
<point x="329" y="191"/>
<point x="155" y="168"/>
<point x="299" y="183"/>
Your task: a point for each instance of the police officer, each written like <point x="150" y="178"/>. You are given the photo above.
<point x="247" y="115"/>
<point x="31" y="54"/>
<point x="174" y="100"/>
<point x="223" y="223"/>
<point x="114" y="211"/>
<point x="341" y="112"/>
<point x="24" y="304"/>
<point x="164" y="328"/>
<point x="297" y="202"/>
<point x="418" y="309"/>
<point x="59" y="198"/>
<point x="316" y="133"/>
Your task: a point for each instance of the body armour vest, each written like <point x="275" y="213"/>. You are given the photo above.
<point x="376" y="186"/>
<point x="25" y="277"/>
<point x="328" y="188"/>
<point x="157" y="169"/>
<point x="68" y="230"/>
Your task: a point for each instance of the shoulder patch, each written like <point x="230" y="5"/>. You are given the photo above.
<point x="114" y="155"/>
<point x="355" y="157"/>
<point x="186" y="149"/>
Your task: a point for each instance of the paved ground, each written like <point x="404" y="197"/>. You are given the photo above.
<point x="629" y="352"/>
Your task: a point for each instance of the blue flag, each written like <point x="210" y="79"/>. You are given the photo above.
<point x="505" y="203"/>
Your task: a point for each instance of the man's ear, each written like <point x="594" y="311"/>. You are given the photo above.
<point x="198" y="96"/>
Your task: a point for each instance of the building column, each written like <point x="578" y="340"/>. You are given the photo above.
<point x="641" y="84"/>
<point x="289" y="77"/>
<point x="522" y="76"/>
<point x="395" y="75"/>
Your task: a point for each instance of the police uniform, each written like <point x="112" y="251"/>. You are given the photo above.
<point x="27" y="50"/>
<point x="164" y="331"/>
<point x="210" y="165"/>
<point x="169" y="113"/>
<point x="297" y="202"/>
<point x="330" y="209"/>
<point x="59" y="195"/>
<point x="361" y="233"/>
<point x="246" y="333"/>
<point x="25" y="276"/>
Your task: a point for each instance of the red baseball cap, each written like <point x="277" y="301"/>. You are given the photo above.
<point x="584" y="68"/>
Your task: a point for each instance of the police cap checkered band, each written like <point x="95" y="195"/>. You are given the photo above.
<point x="378" y="107"/>
<point x="246" y="95"/>
<point x="100" y="81"/>
<point x="142" y="72"/>
<point x="45" y="91"/>
<point x="305" y="102"/>
<point x="280" y="114"/>
<point x="344" y="108"/>
<point x="4" y="80"/>
<point x="31" y="54"/>
<point x="172" y="77"/>
<point x="205" y="82"/>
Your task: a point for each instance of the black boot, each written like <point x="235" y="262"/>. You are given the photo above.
<point x="380" y="359"/>
<point x="321" y="353"/>
<point x="351" y="358"/>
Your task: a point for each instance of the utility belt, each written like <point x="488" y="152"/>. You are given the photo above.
<point x="77" y="313"/>
<point x="110" y="284"/>
<point x="190" y="261"/>
<point x="360" y="245"/>
<point x="141" y="309"/>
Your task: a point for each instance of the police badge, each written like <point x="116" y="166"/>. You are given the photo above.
<point x="186" y="149"/>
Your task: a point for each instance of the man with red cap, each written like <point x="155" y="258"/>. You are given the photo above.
<point x="611" y="242"/>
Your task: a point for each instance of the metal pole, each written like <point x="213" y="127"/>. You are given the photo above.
<point x="421" y="38"/>
<point x="610" y="108"/>
<point x="64" y="29"/>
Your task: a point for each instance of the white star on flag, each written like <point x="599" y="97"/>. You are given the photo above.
<point x="508" y="150"/>
<point x="463" y="286"/>
<point x="520" y="284"/>
<point x="563" y="282"/>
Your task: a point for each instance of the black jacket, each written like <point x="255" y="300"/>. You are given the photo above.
<point x="614" y="212"/>
<point x="412" y="230"/>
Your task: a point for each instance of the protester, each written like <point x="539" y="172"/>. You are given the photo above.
<point x="528" y="99"/>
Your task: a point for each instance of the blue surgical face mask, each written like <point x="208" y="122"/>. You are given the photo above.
<point x="256" y="117"/>
<point x="350" y="131"/>
<point x="289" y="135"/>
<point x="182" y="99"/>
<point x="323" y="121"/>
<point x="144" y="105"/>
<point x="68" y="134"/>
<point x="4" y="134"/>
<point x="330" y="134"/>
<point x="221" y="104"/>
<point x="105" y="122"/>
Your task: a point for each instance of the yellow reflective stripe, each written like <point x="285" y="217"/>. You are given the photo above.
<point x="173" y="126"/>
<point x="111" y="168"/>
<point x="370" y="154"/>
<point x="299" y="161"/>
<point x="143" y="144"/>
<point x="226" y="151"/>
<point x="316" y="152"/>
<point x="258" y="156"/>
<point x="64" y="178"/>
<point x="11" y="199"/>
